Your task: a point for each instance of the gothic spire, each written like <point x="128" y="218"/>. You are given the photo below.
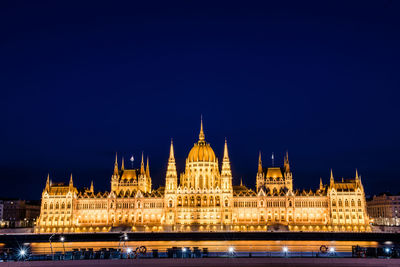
<point x="226" y="166"/>
<point x="201" y="135"/>
<point x="116" y="164"/>
<point x="171" y="175"/>
<point x="171" y="151"/>
<point x="259" y="163"/>
<point x="71" y="182"/>
<point x="226" y="156"/>
<point x="147" y="168"/>
<point x="286" y="162"/>
<point x="48" y="182"/>
<point x="142" y="165"/>
<point x="321" y="185"/>
<point x="332" y="180"/>
<point x="91" y="187"/>
<point x="356" y="174"/>
<point x="122" y="164"/>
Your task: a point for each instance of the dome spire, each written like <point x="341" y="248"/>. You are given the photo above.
<point x="201" y="135"/>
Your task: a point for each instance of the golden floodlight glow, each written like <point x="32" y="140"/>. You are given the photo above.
<point x="204" y="199"/>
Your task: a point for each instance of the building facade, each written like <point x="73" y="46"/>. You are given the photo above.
<point x="384" y="210"/>
<point x="20" y="213"/>
<point x="204" y="199"/>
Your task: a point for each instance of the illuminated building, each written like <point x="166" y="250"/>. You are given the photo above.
<point x="204" y="199"/>
<point x="384" y="209"/>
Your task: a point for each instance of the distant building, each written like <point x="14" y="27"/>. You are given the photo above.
<point x="384" y="209"/>
<point x="20" y="213"/>
<point x="1" y="212"/>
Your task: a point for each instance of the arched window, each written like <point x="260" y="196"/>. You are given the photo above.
<point x="186" y="202"/>
<point x="192" y="201"/>
<point x="340" y="203"/>
<point x="179" y="201"/>
<point x="211" y="201"/>
<point x="290" y="203"/>
<point x="226" y="203"/>
<point x="334" y="203"/>
<point x="346" y="203"/>
<point x="204" y="201"/>
<point x="352" y="203"/>
<point x="198" y="201"/>
<point x="359" y="203"/>
<point x="170" y="204"/>
<point x="45" y="206"/>
<point x="217" y="201"/>
<point x="68" y="205"/>
<point x="63" y="205"/>
<point x="57" y="206"/>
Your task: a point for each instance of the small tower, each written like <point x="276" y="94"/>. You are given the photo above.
<point x="91" y="187"/>
<point x="286" y="172"/>
<point x="286" y="163"/>
<point x="115" y="176"/>
<point x="122" y="164"/>
<point x="171" y="177"/>
<point x="331" y="180"/>
<point x="260" y="178"/>
<point x="321" y="185"/>
<point x="143" y="178"/>
<point x="226" y="173"/>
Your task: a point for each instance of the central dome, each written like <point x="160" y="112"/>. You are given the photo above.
<point x="201" y="150"/>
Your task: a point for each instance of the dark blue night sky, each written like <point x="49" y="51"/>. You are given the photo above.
<point x="82" y="80"/>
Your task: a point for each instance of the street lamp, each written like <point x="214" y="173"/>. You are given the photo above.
<point x="285" y="250"/>
<point x="51" y="246"/>
<point x="62" y="239"/>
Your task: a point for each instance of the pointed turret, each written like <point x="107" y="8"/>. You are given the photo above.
<point x="147" y="168"/>
<point x="201" y="134"/>
<point x="286" y="162"/>
<point x="241" y="181"/>
<point x="116" y="164"/>
<point x="122" y="164"/>
<point x="71" y="182"/>
<point x="226" y="157"/>
<point x="91" y="187"/>
<point x="259" y="163"/>
<point x="226" y="172"/>
<point x="356" y="174"/>
<point x="47" y="182"/>
<point x="321" y="185"/>
<point x="332" y="180"/>
<point x="171" y="180"/>
<point x="142" y="166"/>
